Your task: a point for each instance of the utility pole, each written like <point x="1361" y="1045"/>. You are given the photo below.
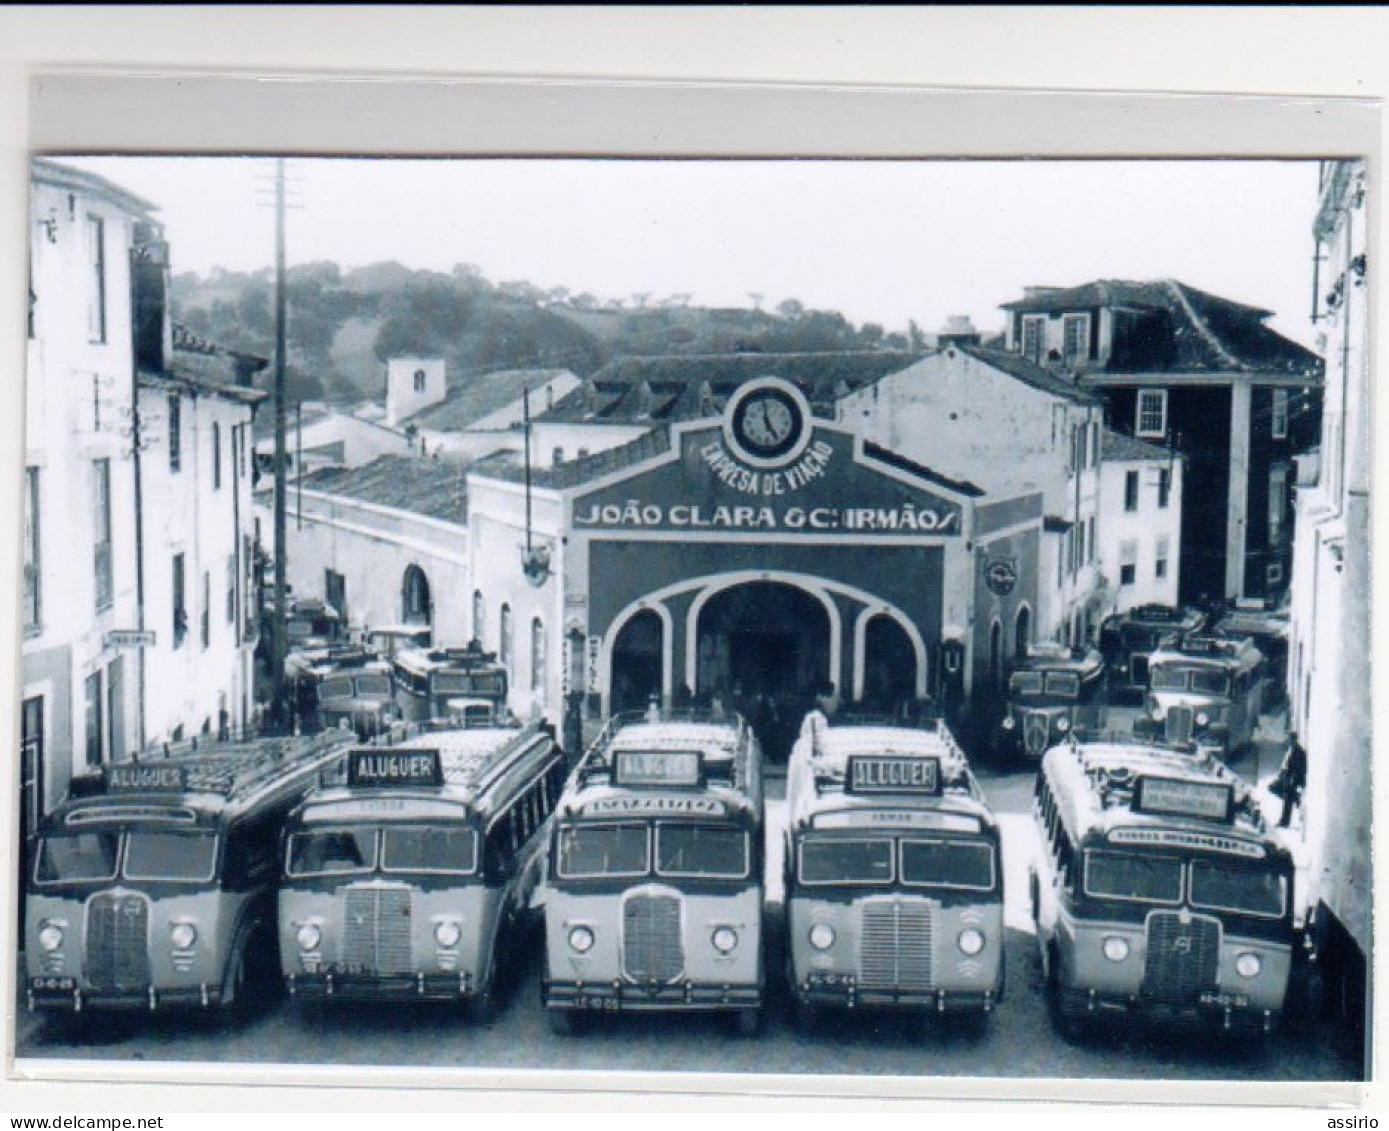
<point x="277" y="651"/>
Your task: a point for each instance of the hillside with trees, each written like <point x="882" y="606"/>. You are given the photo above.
<point x="343" y="325"/>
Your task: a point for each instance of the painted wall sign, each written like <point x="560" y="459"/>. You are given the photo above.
<point x="1001" y="576"/>
<point x="824" y="491"/>
<point x="130" y="638"/>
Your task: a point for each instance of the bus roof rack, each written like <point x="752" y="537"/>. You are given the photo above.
<point x="234" y="769"/>
<point x="734" y="771"/>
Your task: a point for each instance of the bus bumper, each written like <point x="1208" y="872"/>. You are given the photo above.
<point x="52" y="998"/>
<point x="381" y="987"/>
<point x="623" y="997"/>
<point x="842" y="991"/>
<point x="1214" y="1016"/>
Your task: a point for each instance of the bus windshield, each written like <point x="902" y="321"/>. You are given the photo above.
<point x="83" y="856"/>
<point x="428" y="849"/>
<point x="373" y="685"/>
<point x="948" y="864"/>
<point x="603" y="850"/>
<point x="1125" y="875"/>
<point x="1026" y="683"/>
<point x="332" y="852"/>
<point x="338" y="687"/>
<point x="1165" y="678"/>
<point x="1210" y="682"/>
<point x="698" y="850"/>
<point x="190" y="857"/>
<point x="478" y="683"/>
<point x="1063" y="683"/>
<point x="1248" y="891"/>
<point x="846" y="861"/>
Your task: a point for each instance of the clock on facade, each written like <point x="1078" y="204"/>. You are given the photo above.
<point x="767" y="422"/>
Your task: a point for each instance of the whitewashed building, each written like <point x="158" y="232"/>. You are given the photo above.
<point x="1329" y="646"/>
<point x="1140" y="526"/>
<point x="100" y="528"/>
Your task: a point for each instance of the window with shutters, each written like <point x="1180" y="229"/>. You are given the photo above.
<point x="1130" y="490"/>
<point x="1128" y="562"/>
<point x="101" y="534"/>
<point x="1151" y="420"/>
<point x="1075" y="337"/>
<point x="180" y="607"/>
<point x="1277" y="502"/>
<point x="1160" y="565"/>
<point x="1034" y="334"/>
<point x="1164" y="487"/>
<point x="538" y="658"/>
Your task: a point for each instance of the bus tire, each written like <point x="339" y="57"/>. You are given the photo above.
<point x="749" y="1022"/>
<point x="482" y="1007"/>
<point x="561" y="1022"/>
<point x="807" y="1016"/>
<point x="1063" y="1017"/>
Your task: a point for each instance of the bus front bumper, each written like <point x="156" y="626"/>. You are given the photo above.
<point x="1227" y="1012"/>
<point x="620" y="996"/>
<point x="381" y="987"/>
<point x="843" y="991"/>
<point x="56" y="995"/>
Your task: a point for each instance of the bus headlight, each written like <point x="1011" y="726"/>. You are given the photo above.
<point x="725" y="939"/>
<point x="308" y="937"/>
<point x="1008" y="723"/>
<point x="1202" y="719"/>
<point x="581" y="939"/>
<point x="51" y="936"/>
<point x="182" y="936"/>
<point x="1247" y="965"/>
<point x="1063" y="724"/>
<point x="971" y="941"/>
<point x="822" y="936"/>
<point x="1116" y="949"/>
<point x="447" y="934"/>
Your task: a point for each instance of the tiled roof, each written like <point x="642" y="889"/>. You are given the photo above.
<point x="472" y="398"/>
<point x="664" y="390"/>
<point x="1180" y="328"/>
<point x="571" y="473"/>
<point x="1030" y="373"/>
<point x="436" y="488"/>
<point x="921" y="471"/>
<point x="1117" y="446"/>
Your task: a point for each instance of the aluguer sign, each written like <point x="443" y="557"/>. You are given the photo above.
<point x="826" y="492"/>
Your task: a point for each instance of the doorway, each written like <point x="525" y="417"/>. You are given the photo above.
<point x="637" y="662"/>
<point x="889" y="666"/>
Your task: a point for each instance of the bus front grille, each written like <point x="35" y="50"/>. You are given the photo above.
<point x="1036" y="730"/>
<point x="377" y="935"/>
<point x="1182" y="956"/>
<point x="117" y="942"/>
<point x="895" y="946"/>
<point x="1179" y="724"/>
<point x="651" y="938"/>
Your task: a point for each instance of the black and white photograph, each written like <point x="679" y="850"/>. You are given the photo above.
<point x="799" y="617"/>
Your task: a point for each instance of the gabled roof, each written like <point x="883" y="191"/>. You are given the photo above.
<point x="1186" y="329"/>
<point x="1030" y="373"/>
<point x="571" y="473"/>
<point x="1117" y="446"/>
<point x="668" y="389"/>
<point x="46" y="171"/>
<point x="435" y="488"/>
<point x="472" y="398"/>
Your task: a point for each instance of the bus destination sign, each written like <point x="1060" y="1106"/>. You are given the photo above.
<point x="869" y="774"/>
<point x="657" y="767"/>
<point x="146" y="777"/>
<point x="1173" y="797"/>
<point x="370" y="768"/>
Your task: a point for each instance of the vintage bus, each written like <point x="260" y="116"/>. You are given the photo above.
<point x="410" y="877"/>
<point x="893" y="875"/>
<point x="1267" y="625"/>
<point x="1206" y="691"/>
<point x="388" y="639"/>
<point x="336" y="685"/>
<point x="653" y="895"/>
<point x="1052" y="690"/>
<point x="1127" y="638"/>
<point x="465" y="685"/>
<point x="311" y="622"/>
<point x="1160" y="892"/>
<point x="153" y="885"/>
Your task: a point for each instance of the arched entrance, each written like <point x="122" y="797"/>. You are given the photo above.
<point x="416" y="605"/>
<point x="1022" y="632"/>
<point x="636" y="662"/>
<point x="889" y="665"/>
<point x="764" y="645"/>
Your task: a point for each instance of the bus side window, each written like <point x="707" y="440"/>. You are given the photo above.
<point x="1065" y="859"/>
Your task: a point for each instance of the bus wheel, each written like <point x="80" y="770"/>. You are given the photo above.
<point x="482" y="1008"/>
<point x="561" y="1021"/>
<point x="1063" y="1016"/>
<point x="749" y="1022"/>
<point x="234" y="984"/>
<point x="807" y="1016"/>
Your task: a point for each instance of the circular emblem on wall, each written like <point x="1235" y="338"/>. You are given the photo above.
<point x="767" y="422"/>
<point x="1001" y="577"/>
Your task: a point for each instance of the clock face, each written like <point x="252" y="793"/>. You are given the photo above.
<point x="767" y="423"/>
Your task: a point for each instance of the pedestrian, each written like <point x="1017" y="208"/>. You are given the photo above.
<point x="1291" y="780"/>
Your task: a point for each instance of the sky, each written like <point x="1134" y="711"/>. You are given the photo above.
<point x="879" y="241"/>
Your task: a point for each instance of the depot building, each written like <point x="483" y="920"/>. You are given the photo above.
<point x="736" y="540"/>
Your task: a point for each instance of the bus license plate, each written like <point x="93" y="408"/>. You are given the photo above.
<point x="53" y="983"/>
<point x="603" y="1004"/>
<point x="1235" y="1001"/>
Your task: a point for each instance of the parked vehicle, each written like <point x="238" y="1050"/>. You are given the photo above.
<point x="1052" y="690"/>
<point x="1160" y="893"/>
<point x="154" y="883"/>
<point x="654" y="891"/>
<point x="1126" y="639"/>
<point x="1206" y="691"/>
<point x="1267" y="626"/>
<point x="894" y="875"/>
<point x="324" y="686"/>
<point x="408" y="878"/>
<point x="465" y="685"/>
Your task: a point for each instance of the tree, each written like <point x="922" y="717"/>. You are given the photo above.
<point x="791" y="309"/>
